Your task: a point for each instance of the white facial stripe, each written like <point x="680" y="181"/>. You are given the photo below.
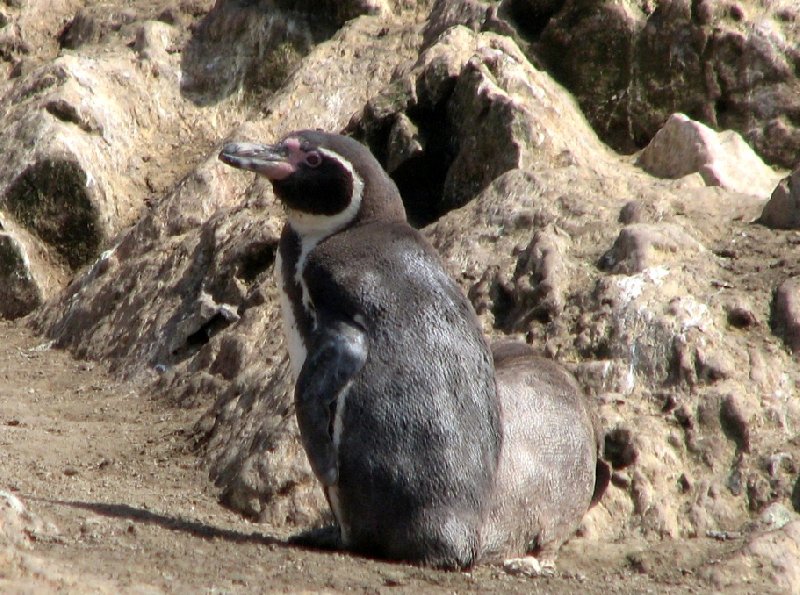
<point x="312" y="229"/>
<point x="321" y="226"/>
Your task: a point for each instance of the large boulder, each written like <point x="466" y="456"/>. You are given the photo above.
<point x="471" y="108"/>
<point x="87" y="141"/>
<point x="683" y="147"/>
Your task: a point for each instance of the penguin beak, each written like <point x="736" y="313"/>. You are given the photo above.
<point x="270" y="161"/>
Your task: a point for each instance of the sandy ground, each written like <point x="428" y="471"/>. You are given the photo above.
<point x="124" y="507"/>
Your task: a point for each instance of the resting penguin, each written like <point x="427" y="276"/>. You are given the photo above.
<point x="395" y="394"/>
<point x="551" y="470"/>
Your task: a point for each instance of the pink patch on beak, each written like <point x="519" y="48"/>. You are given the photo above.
<point x="275" y="170"/>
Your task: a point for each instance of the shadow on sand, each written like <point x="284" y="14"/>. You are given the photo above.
<point x="172" y="523"/>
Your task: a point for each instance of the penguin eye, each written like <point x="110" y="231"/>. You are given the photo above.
<point x="313" y="159"/>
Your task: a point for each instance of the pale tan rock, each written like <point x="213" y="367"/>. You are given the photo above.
<point x="683" y="146"/>
<point x="772" y="554"/>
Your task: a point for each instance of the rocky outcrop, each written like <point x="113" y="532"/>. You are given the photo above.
<point x="470" y="109"/>
<point x="632" y="64"/>
<point x="86" y="144"/>
<point x="730" y="66"/>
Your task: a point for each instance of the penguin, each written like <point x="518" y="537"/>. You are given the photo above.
<point x="395" y="392"/>
<point x="551" y="468"/>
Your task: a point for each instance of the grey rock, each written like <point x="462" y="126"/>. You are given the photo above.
<point x="92" y="24"/>
<point x="255" y="46"/>
<point x="449" y="13"/>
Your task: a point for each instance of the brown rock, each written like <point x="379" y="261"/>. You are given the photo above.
<point x="540" y="279"/>
<point x="785" y="319"/>
<point x="782" y="210"/>
<point x="643" y="245"/>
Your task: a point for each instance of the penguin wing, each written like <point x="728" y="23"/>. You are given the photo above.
<point x="337" y="354"/>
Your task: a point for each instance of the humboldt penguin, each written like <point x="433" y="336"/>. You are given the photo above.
<point x="395" y="392"/>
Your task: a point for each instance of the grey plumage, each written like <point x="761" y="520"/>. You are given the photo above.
<point x="550" y="468"/>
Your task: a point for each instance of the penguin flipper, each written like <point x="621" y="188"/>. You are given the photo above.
<point x="336" y="356"/>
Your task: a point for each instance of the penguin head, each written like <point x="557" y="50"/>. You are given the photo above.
<point x="325" y="181"/>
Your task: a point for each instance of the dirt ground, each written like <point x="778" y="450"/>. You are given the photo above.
<point x="107" y="468"/>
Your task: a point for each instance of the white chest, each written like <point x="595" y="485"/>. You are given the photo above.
<point x="294" y="340"/>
